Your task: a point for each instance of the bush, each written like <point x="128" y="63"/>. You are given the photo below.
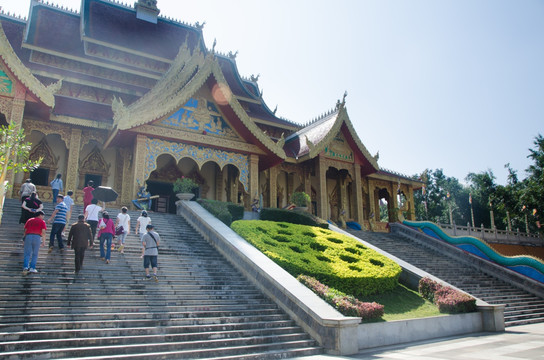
<point x="293" y="217"/>
<point x="447" y="299"/>
<point x="310" y="251"/>
<point x="345" y="304"/>
<point x="224" y="211"/>
<point x="300" y="198"/>
<point x="236" y="211"/>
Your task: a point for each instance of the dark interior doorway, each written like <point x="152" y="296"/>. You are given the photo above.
<point x="166" y="202"/>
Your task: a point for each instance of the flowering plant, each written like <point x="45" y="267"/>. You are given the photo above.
<point x="184" y="185"/>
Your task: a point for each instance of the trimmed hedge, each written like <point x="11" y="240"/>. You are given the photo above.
<point x="225" y="211"/>
<point x="447" y="299"/>
<point x="334" y="259"/>
<point x="293" y="217"/>
<point x="347" y="305"/>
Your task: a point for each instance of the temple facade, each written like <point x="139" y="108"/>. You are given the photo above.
<point x="127" y="98"/>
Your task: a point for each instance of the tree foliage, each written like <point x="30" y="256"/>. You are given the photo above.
<point x="515" y="201"/>
<point x="14" y="151"/>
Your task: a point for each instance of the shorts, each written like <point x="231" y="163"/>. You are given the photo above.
<point x="150" y="259"/>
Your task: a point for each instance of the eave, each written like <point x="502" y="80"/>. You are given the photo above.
<point x="23" y="74"/>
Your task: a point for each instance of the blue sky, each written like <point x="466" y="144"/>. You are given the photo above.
<point x="455" y="85"/>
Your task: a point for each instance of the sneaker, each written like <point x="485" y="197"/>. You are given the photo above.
<point x="61" y="250"/>
<point x="107" y="261"/>
<point x="121" y="248"/>
<point x="113" y="246"/>
<point x="102" y="258"/>
<point x="148" y="277"/>
<point x="32" y="270"/>
<point x="25" y="271"/>
<point x="155" y="278"/>
<point x="50" y="250"/>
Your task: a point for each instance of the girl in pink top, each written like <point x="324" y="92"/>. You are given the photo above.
<point x="107" y="230"/>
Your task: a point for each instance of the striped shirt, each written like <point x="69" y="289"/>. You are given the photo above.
<point x="60" y="217"/>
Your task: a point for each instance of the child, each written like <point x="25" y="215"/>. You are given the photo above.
<point x="123" y="219"/>
<point x="141" y="223"/>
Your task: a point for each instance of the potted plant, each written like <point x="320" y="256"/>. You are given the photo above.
<point x="301" y="200"/>
<point x="183" y="188"/>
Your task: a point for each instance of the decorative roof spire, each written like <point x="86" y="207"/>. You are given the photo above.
<point x="147" y="10"/>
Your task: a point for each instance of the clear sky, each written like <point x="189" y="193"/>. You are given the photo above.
<point x="456" y="85"/>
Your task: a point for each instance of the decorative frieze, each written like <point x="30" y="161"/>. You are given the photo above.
<point x="200" y="154"/>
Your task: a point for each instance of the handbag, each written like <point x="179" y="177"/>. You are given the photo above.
<point x="119" y="230"/>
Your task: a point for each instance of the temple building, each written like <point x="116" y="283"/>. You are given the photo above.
<point x="127" y="98"/>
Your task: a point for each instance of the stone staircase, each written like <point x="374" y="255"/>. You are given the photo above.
<point x="200" y="308"/>
<point x="521" y="306"/>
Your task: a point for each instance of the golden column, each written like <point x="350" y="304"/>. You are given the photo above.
<point x="322" y="201"/>
<point x="72" y="171"/>
<point x="411" y="205"/>
<point x="273" y="186"/>
<point x="253" y="178"/>
<point x="358" y="194"/>
<point x="16" y="118"/>
<point x="140" y="153"/>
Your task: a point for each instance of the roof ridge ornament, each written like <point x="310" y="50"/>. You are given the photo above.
<point x="254" y="78"/>
<point x="343" y="103"/>
<point x="232" y="55"/>
<point x="199" y="26"/>
<point x="147" y="10"/>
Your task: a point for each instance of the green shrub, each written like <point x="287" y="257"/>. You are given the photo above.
<point x="293" y="217"/>
<point x="236" y="211"/>
<point x="300" y="198"/>
<point x="331" y="262"/>
<point x="225" y="211"/>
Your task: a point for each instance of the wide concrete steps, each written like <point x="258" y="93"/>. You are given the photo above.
<point x="201" y="307"/>
<point x="521" y="306"/>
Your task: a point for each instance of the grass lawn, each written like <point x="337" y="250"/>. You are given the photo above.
<point x="402" y="303"/>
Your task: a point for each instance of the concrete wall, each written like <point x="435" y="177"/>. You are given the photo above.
<point x="339" y="335"/>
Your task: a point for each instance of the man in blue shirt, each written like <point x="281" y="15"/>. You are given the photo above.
<point x="59" y="222"/>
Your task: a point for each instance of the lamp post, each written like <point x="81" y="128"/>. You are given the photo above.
<point x="471" y="209"/>
<point x="491" y="215"/>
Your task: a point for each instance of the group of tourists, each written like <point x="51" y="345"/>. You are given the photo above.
<point x="82" y="233"/>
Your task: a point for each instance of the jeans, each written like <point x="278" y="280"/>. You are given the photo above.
<point x="55" y="193"/>
<point x="56" y="229"/>
<point x="105" y="238"/>
<point x="32" y="246"/>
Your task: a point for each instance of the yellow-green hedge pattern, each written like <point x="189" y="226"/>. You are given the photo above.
<point x="336" y="260"/>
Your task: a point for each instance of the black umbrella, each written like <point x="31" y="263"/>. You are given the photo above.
<point x="105" y="194"/>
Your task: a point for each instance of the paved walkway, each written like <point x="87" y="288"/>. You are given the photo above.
<point x="517" y="342"/>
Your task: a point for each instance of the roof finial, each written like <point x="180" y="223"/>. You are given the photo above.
<point x="232" y="55"/>
<point x="213" y="46"/>
<point x="276" y="109"/>
<point x="254" y="78"/>
<point x="199" y="26"/>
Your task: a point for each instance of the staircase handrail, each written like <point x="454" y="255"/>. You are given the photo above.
<point x="512" y="262"/>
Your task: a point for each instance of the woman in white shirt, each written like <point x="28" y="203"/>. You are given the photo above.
<point x="123" y="219"/>
<point x="141" y="223"/>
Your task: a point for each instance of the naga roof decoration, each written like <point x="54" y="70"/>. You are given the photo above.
<point x="188" y="73"/>
<point x="311" y="140"/>
<point x="23" y="74"/>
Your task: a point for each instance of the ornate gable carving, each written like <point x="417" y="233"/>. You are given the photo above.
<point x="201" y="116"/>
<point x="42" y="150"/>
<point x="94" y="164"/>
<point x="339" y="149"/>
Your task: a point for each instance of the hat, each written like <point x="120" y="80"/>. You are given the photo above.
<point x="149" y="226"/>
